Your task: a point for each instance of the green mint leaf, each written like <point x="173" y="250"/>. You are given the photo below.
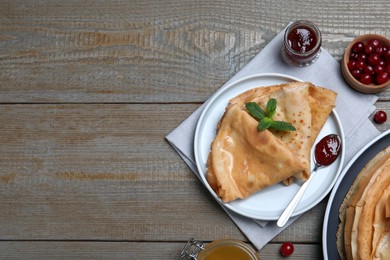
<point x="265" y="119"/>
<point x="282" y="126"/>
<point x="271" y="107"/>
<point x="264" y="123"/>
<point x="255" y="110"/>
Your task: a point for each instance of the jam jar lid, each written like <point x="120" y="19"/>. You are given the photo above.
<point x="224" y="249"/>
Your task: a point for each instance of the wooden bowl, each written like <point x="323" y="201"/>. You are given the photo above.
<point x="354" y="83"/>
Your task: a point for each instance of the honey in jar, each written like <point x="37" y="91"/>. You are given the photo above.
<point x="223" y="249"/>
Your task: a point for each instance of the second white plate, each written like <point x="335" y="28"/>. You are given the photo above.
<point x="269" y="203"/>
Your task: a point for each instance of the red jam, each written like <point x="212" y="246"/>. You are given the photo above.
<point x="328" y="149"/>
<point x="302" y="39"/>
<point x="302" y="43"/>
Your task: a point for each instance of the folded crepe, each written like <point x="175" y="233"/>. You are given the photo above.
<point x="244" y="160"/>
<point x="381" y="228"/>
<point x="363" y="232"/>
<point x="383" y="248"/>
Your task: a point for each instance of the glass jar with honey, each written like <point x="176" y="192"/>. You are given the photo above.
<point x="223" y="249"/>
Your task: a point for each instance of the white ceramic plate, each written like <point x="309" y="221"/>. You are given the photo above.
<point x="269" y="203"/>
<point x="341" y="188"/>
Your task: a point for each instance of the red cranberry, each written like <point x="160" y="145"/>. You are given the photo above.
<point x="388" y="68"/>
<point x="356" y="73"/>
<point x="366" y="79"/>
<point x="373" y="59"/>
<point x="361" y="56"/>
<point x="380" y="117"/>
<point x="379" y="69"/>
<point x="369" y="69"/>
<point x="353" y="56"/>
<point x="382" y="78"/>
<point x="358" y="47"/>
<point x="351" y="65"/>
<point x="287" y="249"/>
<point x="386" y="54"/>
<point x="378" y="50"/>
<point x="375" y="43"/>
<point x="369" y="49"/>
<point x="360" y="64"/>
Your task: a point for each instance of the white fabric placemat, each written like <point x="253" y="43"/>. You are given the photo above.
<point x="353" y="109"/>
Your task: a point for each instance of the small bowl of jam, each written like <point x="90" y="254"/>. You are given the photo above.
<point x="302" y="43"/>
<point x="366" y="63"/>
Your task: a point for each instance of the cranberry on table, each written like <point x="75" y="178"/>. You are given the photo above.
<point x="287" y="249"/>
<point x="380" y="117"/>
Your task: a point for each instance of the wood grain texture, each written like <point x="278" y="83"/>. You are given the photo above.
<point x="105" y="172"/>
<point x="154" y="51"/>
<point x="128" y="250"/>
<point x="88" y="91"/>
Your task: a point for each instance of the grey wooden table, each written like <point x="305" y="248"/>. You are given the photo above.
<point x="88" y="91"/>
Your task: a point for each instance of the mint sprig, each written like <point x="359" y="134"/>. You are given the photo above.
<point x="255" y="110"/>
<point x="265" y="117"/>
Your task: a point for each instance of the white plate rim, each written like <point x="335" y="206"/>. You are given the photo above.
<point x="283" y="79"/>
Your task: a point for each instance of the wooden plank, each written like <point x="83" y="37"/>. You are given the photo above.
<point x="159" y="51"/>
<point x="75" y="172"/>
<point x="128" y="250"/>
<point x="89" y="89"/>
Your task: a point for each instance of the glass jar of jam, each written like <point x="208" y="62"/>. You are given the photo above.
<point x="223" y="249"/>
<point x="302" y="43"/>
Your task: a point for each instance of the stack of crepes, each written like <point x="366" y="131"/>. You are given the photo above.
<point x="364" y="229"/>
<point x="244" y="160"/>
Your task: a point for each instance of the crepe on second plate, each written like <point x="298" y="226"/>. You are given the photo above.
<point x="364" y="229"/>
<point x="244" y="160"/>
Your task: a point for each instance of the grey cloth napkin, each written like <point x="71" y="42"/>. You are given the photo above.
<point x="353" y="109"/>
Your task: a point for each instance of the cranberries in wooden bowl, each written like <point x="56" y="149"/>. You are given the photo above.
<point x="366" y="63"/>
